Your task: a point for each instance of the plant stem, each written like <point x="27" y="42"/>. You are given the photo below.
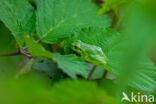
<point x="91" y="72"/>
<point x="27" y="54"/>
<point x="10" y="54"/>
<point x="19" y="52"/>
<point x="105" y="74"/>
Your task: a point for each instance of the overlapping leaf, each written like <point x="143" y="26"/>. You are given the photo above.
<point x="71" y="65"/>
<point x="146" y="77"/>
<point x="81" y="92"/>
<point x="48" y="67"/>
<point x="56" y="19"/>
<point x="18" y="16"/>
<point x="102" y="37"/>
<point x="36" y="49"/>
<point x="111" y="44"/>
<point x="65" y="92"/>
<point x="7" y="39"/>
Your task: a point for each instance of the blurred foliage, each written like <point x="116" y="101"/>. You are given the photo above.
<point x="7" y="39"/>
<point x="35" y="90"/>
<point x="73" y="55"/>
<point x="112" y="5"/>
<point x="80" y="92"/>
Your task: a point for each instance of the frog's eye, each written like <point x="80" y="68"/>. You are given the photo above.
<point x="76" y="47"/>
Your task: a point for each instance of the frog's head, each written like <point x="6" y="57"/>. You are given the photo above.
<point x="77" y="46"/>
<point x="93" y="52"/>
<point x="82" y="47"/>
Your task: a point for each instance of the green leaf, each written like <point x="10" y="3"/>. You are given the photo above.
<point x="145" y="79"/>
<point x="7" y="39"/>
<point x="104" y="38"/>
<point x="32" y="87"/>
<point x="79" y="92"/>
<point x="71" y="65"/>
<point x="48" y="67"/>
<point x="18" y="16"/>
<point x="57" y="19"/>
<point x="143" y="73"/>
<point x="98" y="73"/>
<point x="15" y="91"/>
<point x="101" y="38"/>
<point x="132" y="64"/>
<point x="111" y="44"/>
<point x="36" y="49"/>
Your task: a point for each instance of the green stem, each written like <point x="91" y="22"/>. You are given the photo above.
<point x="10" y="54"/>
<point x="91" y="72"/>
<point x="105" y="74"/>
<point x="19" y="52"/>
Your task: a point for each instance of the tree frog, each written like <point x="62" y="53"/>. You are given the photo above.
<point x="91" y="53"/>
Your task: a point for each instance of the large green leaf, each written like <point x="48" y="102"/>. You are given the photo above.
<point x="104" y="38"/>
<point x="93" y="40"/>
<point x="24" y="90"/>
<point x="113" y="45"/>
<point x="48" y="67"/>
<point x="71" y="65"/>
<point x="56" y="19"/>
<point x="146" y="76"/>
<point x="132" y="62"/>
<point x="18" y="16"/>
<point x="7" y="39"/>
<point x="143" y="72"/>
<point x="80" y="92"/>
<point x="27" y="89"/>
<point x="36" y="49"/>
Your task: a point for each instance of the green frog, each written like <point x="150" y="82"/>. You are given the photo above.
<point x="91" y="53"/>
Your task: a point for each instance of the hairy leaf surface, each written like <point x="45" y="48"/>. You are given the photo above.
<point x="18" y="16"/>
<point x="71" y="65"/>
<point x="111" y="44"/>
<point x="102" y="37"/>
<point x="57" y="19"/>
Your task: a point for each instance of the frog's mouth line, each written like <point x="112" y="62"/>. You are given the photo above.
<point x="79" y="51"/>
